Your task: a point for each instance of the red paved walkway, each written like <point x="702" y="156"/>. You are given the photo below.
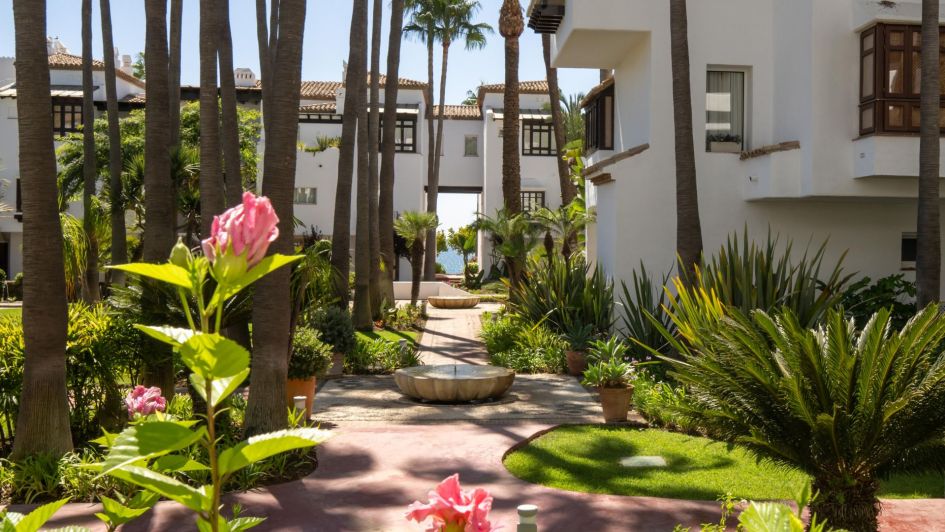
<point x="370" y="472"/>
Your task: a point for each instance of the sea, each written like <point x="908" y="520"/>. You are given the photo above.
<point x="452" y="261"/>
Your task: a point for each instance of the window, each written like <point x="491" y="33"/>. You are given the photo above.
<point x="405" y="133"/>
<point x="471" y="146"/>
<point x="599" y="121"/>
<point x="891" y="77"/>
<point x="538" y="138"/>
<point x="67" y="116"/>
<point x="305" y="196"/>
<point x="725" y="111"/>
<point x="907" y="251"/>
<point x="532" y="200"/>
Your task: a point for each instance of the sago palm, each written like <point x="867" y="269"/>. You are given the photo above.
<point x="514" y="236"/>
<point x="414" y="227"/>
<point x="845" y="406"/>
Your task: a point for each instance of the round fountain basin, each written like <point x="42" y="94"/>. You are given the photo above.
<point x="454" y="383"/>
<point x="453" y="302"/>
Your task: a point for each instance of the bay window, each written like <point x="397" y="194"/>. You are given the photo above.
<point x="599" y="119"/>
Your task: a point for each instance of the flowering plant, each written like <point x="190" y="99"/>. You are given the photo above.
<point x="149" y="453"/>
<point x="144" y="401"/>
<point x="453" y="509"/>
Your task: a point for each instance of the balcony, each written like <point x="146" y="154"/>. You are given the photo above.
<point x="888" y="156"/>
<point x="592" y="33"/>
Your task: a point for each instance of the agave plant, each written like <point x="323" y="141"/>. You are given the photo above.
<point x="843" y="405"/>
<point x="644" y="299"/>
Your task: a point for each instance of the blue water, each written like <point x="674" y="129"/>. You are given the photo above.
<point x="452" y="261"/>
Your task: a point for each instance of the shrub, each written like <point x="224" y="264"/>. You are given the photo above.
<point x="310" y="355"/>
<point x="380" y="357"/>
<point x="660" y="403"/>
<point x="499" y="332"/>
<point x="564" y="295"/>
<point x="404" y="317"/>
<point x="645" y="299"/>
<point x="334" y="324"/>
<point x="862" y="299"/>
<point x="846" y="406"/>
<point x="535" y="349"/>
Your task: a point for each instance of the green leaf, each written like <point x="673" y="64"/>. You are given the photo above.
<point x="244" y="523"/>
<point x="261" y="269"/>
<point x="770" y="517"/>
<point x="222" y="388"/>
<point x="178" y="463"/>
<point x="214" y="357"/>
<point x="265" y="445"/>
<point x="163" y="485"/>
<point x="116" y="514"/>
<point x="169" y="335"/>
<point x="168" y="273"/>
<point x="35" y="519"/>
<point x="106" y="440"/>
<point x="145" y="441"/>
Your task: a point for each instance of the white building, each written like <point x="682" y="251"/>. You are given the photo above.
<point x="471" y="155"/>
<point x="817" y="99"/>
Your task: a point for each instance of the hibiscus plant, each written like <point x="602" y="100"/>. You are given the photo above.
<point x="149" y="452"/>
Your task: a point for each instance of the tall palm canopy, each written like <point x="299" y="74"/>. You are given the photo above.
<point x="415" y="227"/>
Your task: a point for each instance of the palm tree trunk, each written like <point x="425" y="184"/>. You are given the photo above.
<point x="416" y="264"/>
<point x="230" y="134"/>
<point x="265" y="70"/>
<point x="377" y="299"/>
<point x="511" y="165"/>
<point x="177" y="8"/>
<point x="42" y="424"/>
<point x="688" y="225"/>
<point x="119" y="237"/>
<point x="432" y="155"/>
<point x="361" y="313"/>
<point x="212" y="201"/>
<point x="354" y="100"/>
<point x="385" y="208"/>
<point x="272" y="301"/>
<point x="846" y="506"/>
<point x="568" y="189"/>
<point x="433" y="188"/>
<point x="159" y="196"/>
<point x="928" y="238"/>
<point x="90" y="292"/>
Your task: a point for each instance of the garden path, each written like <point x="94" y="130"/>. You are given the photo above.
<point x="451" y="336"/>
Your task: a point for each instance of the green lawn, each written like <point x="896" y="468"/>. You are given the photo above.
<point x="391" y="336"/>
<point x="587" y="459"/>
<point x="11" y="312"/>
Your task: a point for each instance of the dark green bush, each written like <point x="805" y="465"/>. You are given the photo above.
<point x="863" y="298"/>
<point x="404" y="317"/>
<point x="565" y="295"/>
<point x="335" y="326"/>
<point x="499" y="332"/>
<point x="310" y="355"/>
<point x="535" y="349"/>
<point x="380" y="357"/>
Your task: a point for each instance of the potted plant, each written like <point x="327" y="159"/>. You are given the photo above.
<point x="578" y="338"/>
<point x="613" y="377"/>
<point x="334" y="325"/>
<point x="310" y="357"/>
<point x="725" y="143"/>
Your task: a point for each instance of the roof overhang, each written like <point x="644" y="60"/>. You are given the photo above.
<point x="544" y="16"/>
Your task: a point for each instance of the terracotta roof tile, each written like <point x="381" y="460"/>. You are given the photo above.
<point x="322" y="108"/>
<point x="524" y="87"/>
<point x="592" y="95"/>
<point x="62" y="61"/>
<point x="459" y="112"/>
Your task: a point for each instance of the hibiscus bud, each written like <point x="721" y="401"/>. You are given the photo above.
<point x="245" y="230"/>
<point x="181" y="255"/>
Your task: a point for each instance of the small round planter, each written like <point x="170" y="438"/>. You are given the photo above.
<point x="301" y="387"/>
<point x="616" y="403"/>
<point x="577" y="362"/>
<point x="337" y="367"/>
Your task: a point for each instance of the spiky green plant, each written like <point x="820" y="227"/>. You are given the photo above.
<point x="645" y="297"/>
<point x="843" y="405"/>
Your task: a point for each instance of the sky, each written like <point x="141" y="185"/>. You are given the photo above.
<point x="327" y="26"/>
<point x="325" y="47"/>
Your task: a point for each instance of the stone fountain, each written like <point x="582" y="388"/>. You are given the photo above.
<point x="454" y="383"/>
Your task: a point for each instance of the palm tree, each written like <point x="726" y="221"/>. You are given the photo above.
<point x="119" y="247"/>
<point x="513" y="235"/>
<point x="374" y="132"/>
<point x="272" y="307"/>
<point x="568" y="190"/>
<point x="573" y="120"/>
<point x="564" y="224"/>
<point x="511" y="25"/>
<point x="42" y="425"/>
<point x="446" y="21"/>
<point x="354" y="100"/>
<point x="230" y="137"/>
<point x="415" y="227"/>
<point x="159" y="234"/>
<point x="212" y="199"/>
<point x="821" y="400"/>
<point x="90" y="290"/>
<point x="929" y="247"/>
<point x="385" y="207"/>
<point x="688" y="225"/>
<point x="177" y="15"/>
<point x="361" y="314"/>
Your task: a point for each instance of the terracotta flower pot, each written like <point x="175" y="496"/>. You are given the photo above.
<point x="301" y="387"/>
<point x="577" y="362"/>
<point x="616" y="403"/>
<point x="337" y="365"/>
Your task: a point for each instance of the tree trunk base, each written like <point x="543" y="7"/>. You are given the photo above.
<point x="850" y="507"/>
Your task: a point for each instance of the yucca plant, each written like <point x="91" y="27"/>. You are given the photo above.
<point x="846" y="406"/>
<point x="749" y="276"/>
